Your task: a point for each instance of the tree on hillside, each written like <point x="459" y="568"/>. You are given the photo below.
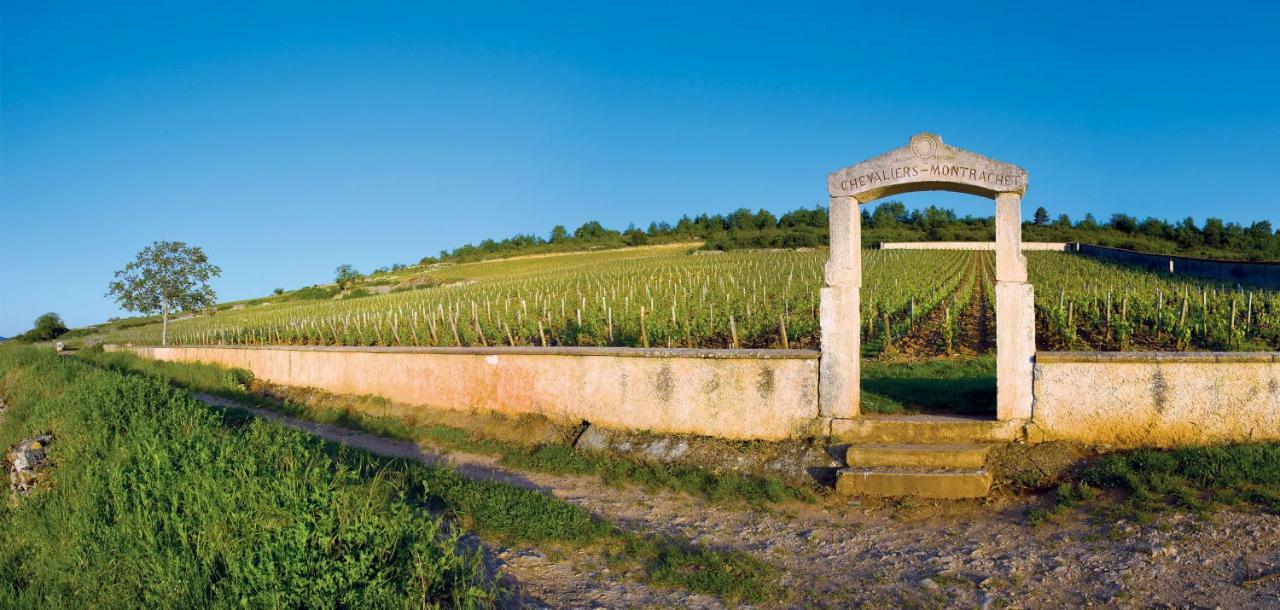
<point x="888" y="214"/>
<point x="1124" y="223"/>
<point x="1213" y="233"/>
<point x="48" y="326"/>
<point x="1041" y="218"/>
<point x="166" y="276"/>
<point x="634" y="237"/>
<point x="1188" y="234"/>
<point x="345" y="275"/>
<point x="559" y="234"/>
<point x="592" y="229"/>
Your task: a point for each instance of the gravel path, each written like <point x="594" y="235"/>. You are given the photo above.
<point x="840" y="553"/>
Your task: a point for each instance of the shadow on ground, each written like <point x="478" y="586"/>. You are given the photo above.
<point x="957" y="386"/>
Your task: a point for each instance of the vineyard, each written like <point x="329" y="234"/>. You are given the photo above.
<point x="914" y="304"/>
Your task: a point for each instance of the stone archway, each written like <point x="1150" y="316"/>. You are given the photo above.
<point x="925" y="164"/>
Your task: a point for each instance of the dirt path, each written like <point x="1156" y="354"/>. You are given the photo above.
<point x="842" y="553"/>
<point x="976" y="323"/>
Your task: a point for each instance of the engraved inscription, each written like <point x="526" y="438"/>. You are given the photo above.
<point x="932" y="170"/>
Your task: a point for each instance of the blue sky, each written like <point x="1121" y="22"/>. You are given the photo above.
<point x="287" y="139"/>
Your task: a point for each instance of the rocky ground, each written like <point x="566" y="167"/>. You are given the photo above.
<point x="24" y="461"/>
<point x="841" y="553"/>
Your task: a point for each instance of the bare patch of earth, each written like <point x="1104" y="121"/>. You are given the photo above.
<point x="975" y="325"/>
<point x="841" y="553"/>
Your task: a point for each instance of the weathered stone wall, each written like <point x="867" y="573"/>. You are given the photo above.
<point x="736" y="394"/>
<point x="970" y="245"/>
<point x="1156" y="399"/>
<point x="1258" y="273"/>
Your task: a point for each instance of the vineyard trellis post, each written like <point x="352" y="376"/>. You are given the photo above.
<point x="924" y="164"/>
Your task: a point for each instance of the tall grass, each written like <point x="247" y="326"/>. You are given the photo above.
<point x="154" y="500"/>
<point x="550" y="458"/>
<point x="169" y="503"/>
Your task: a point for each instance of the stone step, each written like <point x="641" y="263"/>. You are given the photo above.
<point x="907" y="455"/>
<point x="925" y="429"/>
<point x="938" y="484"/>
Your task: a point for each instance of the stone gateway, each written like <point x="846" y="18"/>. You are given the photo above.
<point x="926" y="163"/>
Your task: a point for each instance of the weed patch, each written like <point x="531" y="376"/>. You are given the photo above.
<point x="155" y="500"/>
<point x="1193" y="478"/>
<point x="1147" y="482"/>
<point x="493" y="510"/>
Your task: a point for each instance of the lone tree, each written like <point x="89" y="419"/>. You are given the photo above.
<point x="1041" y="217"/>
<point x="166" y="276"/>
<point x="46" y="327"/>
<point x="345" y="275"/>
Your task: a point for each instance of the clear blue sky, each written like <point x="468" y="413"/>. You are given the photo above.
<point x="289" y="139"/>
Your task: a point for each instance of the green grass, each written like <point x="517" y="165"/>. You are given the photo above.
<point x="1193" y="478"/>
<point x="962" y="386"/>
<point x="154" y="500"/>
<point x="1147" y="482"/>
<point x="495" y="511"/>
<point x="728" y="487"/>
<point x="556" y="459"/>
<point x="730" y="576"/>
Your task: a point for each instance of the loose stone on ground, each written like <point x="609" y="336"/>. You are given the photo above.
<point x="25" y="461"/>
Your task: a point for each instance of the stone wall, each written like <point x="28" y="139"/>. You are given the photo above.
<point x="1156" y="399"/>
<point x="736" y="394"/>
<point x="1266" y="274"/>
<point x="971" y="245"/>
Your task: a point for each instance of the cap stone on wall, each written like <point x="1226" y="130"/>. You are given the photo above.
<point x="926" y="164"/>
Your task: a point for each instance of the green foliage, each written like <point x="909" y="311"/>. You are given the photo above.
<point x="46" y="328"/>
<point x="496" y="510"/>
<point x="595" y="298"/>
<point x="727" y="487"/>
<point x="740" y="229"/>
<point x="166" y="276"/>
<point x="1193" y="478"/>
<point x="733" y="577"/>
<point x="1084" y="303"/>
<point x="1067" y="495"/>
<point x="549" y="458"/>
<point x="1041" y="217"/>
<point x="1151" y="481"/>
<point x="154" y="500"/>
<point x="345" y="275"/>
<point x="312" y="293"/>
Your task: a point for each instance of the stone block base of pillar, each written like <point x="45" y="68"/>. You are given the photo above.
<point x="839" y="371"/>
<point x="1015" y="349"/>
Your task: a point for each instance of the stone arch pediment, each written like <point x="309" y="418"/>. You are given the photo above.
<point x="926" y="163"/>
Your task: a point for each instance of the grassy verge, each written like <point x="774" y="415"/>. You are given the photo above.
<point x="154" y="500"/>
<point x="239" y="460"/>
<point x="548" y="457"/>
<point x="962" y="386"/>
<point x="1198" y="479"/>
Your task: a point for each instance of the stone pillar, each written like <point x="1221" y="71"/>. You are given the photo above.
<point x="839" y="369"/>
<point x="1015" y="314"/>
<point x="1011" y="265"/>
